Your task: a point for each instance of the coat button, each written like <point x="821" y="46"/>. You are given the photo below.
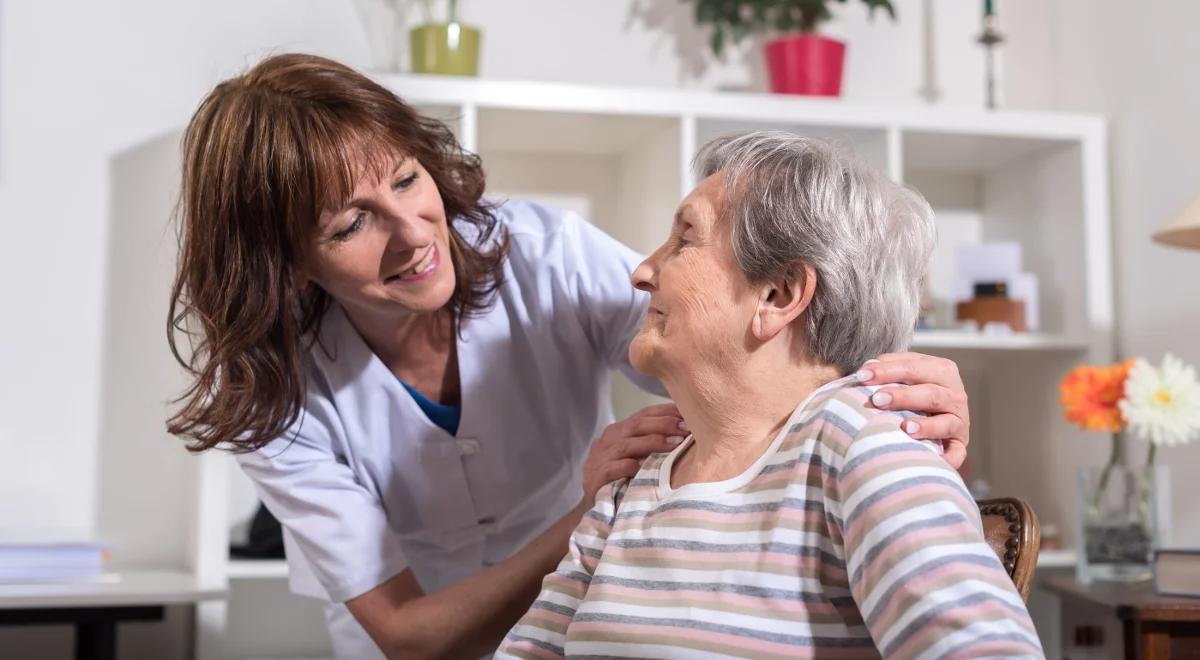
<point x="467" y="446"/>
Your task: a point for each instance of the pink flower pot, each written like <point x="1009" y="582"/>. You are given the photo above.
<point x="806" y="64"/>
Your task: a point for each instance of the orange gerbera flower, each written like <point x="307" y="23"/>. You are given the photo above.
<point x="1089" y="395"/>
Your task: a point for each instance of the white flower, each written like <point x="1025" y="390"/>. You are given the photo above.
<point x="1162" y="404"/>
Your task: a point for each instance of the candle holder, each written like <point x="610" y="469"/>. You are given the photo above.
<point x="991" y="38"/>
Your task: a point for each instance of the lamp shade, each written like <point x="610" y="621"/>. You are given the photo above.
<point x="1184" y="229"/>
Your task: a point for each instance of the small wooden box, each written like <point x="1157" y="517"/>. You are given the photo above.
<point x="993" y="310"/>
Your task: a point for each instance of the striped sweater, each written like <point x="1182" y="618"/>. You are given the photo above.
<point x="845" y="539"/>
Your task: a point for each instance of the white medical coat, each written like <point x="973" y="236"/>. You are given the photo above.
<point x="366" y="485"/>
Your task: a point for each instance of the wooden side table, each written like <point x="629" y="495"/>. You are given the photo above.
<point x="1129" y="620"/>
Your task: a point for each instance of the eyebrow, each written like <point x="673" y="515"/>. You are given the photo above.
<point x="358" y="202"/>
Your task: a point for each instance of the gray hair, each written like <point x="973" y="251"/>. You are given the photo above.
<point x="795" y="200"/>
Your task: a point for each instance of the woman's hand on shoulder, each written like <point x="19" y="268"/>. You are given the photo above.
<point x="925" y="384"/>
<point x="620" y="449"/>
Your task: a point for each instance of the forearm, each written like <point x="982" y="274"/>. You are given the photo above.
<point x="470" y="618"/>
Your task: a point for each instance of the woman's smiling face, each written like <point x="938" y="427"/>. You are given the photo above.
<point x="701" y="305"/>
<point x="387" y="250"/>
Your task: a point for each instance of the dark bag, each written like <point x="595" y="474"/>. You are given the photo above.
<point x="266" y="538"/>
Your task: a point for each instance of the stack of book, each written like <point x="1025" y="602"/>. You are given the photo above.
<point x="25" y="562"/>
<point x="1177" y="572"/>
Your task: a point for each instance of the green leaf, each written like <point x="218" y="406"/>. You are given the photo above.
<point x="732" y="20"/>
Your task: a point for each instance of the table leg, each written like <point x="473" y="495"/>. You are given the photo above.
<point x="96" y="640"/>
<point x="1154" y="640"/>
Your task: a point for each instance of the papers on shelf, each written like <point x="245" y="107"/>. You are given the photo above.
<point x="29" y="560"/>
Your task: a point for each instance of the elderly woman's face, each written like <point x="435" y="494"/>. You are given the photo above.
<point x="701" y="305"/>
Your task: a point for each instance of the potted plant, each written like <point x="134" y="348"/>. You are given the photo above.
<point x="446" y="48"/>
<point x="799" y="60"/>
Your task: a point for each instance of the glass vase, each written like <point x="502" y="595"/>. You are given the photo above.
<point x="1118" y="511"/>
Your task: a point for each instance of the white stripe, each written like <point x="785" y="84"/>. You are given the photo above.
<point x="773" y="495"/>
<point x="849" y="412"/>
<point x="977" y="629"/>
<point x="564" y="600"/>
<point x="638" y="650"/>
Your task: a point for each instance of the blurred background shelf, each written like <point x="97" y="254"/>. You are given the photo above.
<point x="1024" y="341"/>
<point x="1056" y="559"/>
<point x="257" y="569"/>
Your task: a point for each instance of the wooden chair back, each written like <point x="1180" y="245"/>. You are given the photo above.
<point x="1011" y="529"/>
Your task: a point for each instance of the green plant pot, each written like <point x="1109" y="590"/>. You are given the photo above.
<point x="450" y="49"/>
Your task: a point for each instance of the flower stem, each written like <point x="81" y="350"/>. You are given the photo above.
<point x="1146" y="489"/>
<point x="1113" y="458"/>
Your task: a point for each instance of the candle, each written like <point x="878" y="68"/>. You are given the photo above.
<point x="989" y="8"/>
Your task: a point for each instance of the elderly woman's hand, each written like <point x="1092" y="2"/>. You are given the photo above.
<point x="930" y="385"/>
<point x="619" y="451"/>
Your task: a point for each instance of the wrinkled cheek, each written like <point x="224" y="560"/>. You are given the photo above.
<point x="698" y="310"/>
<point x="707" y="327"/>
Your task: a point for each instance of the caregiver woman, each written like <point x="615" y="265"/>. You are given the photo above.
<point x="412" y="378"/>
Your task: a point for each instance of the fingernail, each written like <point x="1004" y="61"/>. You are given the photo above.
<point x="911" y="427"/>
<point x="881" y="398"/>
<point x="864" y="375"/>
<point x="683" y="425"/>
<point x="871" y="361"/>
<point x="674" y="439"/>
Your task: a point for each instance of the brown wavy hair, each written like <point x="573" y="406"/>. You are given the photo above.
<point x="265" y="154"/>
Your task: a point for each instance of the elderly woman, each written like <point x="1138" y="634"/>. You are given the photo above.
<point x="796" y="519"/>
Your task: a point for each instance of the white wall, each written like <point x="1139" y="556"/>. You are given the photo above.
<point x="83" y="84"/>
<point x="1135" y="64"/>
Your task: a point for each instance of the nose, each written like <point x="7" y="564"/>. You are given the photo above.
<point x="645" y="276"/>
<point x="409" y="232"/>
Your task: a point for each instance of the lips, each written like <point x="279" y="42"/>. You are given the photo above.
<point x="424" y="267"/>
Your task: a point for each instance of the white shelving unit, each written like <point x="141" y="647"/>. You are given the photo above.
<point x="624" y="154"/>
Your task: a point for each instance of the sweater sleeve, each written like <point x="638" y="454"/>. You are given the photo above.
<point x="542" y="632"/>
<point x="926" y="582"/>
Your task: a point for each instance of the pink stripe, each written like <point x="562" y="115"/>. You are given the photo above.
<point x="917" y="583"/>
<point x="895" y="501"/>
<point x="569" y="585"/>
<point x="996" y="649"/>
<point x="799" y="517"/>
<point x="555" y="621"/>
<point x="677" y="554"/>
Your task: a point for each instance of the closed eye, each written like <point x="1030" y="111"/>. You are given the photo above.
<point x="405" y="183"/>
<point x="681" y="237"/>
<point x="346" y="233"/>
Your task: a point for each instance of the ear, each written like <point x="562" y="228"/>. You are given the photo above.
<point x="782" y="300"/>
